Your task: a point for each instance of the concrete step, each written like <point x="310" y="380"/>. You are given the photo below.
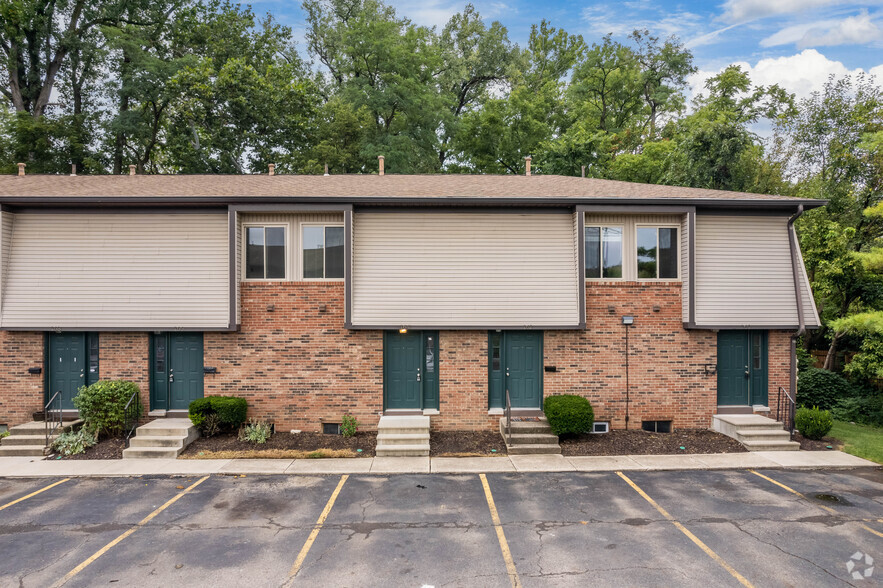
<point x="527" y="427"/>
<point x="39" y="427"/>
<point x="22" y="451"/>
<point x="534" y="449"/>
<point x="151" y="453"/>
<point x="772" y="446"/>
<point x="532" y="438"/>
<point x="383" y="450"/>
<point x="164" y="431"/>
<point x="386" y="438"/>
<point x="750" y="435"/>
<point x="176" y="441"/>
<point x="13" y="440"/>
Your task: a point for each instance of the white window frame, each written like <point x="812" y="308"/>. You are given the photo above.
<point x="245" y="227"/>
<point x="658" y="226"/>
<point x="300" y="250"/>
<point x="623" y="246"/>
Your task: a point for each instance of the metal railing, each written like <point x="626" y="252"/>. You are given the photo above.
<point x="52" y="416"/>
<point x="785" y="408"/>
<point x="130" y="415"/>
<point x="508" y="419"/>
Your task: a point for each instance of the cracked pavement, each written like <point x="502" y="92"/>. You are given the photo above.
<point x="563" y="529"/>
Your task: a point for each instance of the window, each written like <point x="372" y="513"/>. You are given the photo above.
<point x="657" y="253"/>
<point x="603" y="252"/>
<point x="322" y="252"/>
<point x="265" y="253"/>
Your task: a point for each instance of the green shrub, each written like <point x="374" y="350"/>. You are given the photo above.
<point x="821" y="388"/>
<point x="569" y="414"/>
<point x="103" y="405"/>
<point x="813" y="423"/>
<point x="73" y="443"/>
<point x="864" y="410"/>
<point x="213" y="413"/>
<point x="256" y="432"/>
<point x="4" y="434"/>
<point x="348" y="425"/>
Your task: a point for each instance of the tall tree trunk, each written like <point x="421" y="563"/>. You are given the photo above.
<point x="832" y="353"/>
<point x="120" y="141"/>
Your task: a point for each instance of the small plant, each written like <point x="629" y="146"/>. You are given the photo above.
<point x="813" y="423"/>
<point x="4" y="434"/>
<point x="348" y="425"/>
<point x="569" y="414"/>
<point x="256" y="432"/>
<point x="227" y="412"/>
<point x="73" y="443"/>
<point x="103" y="405"/>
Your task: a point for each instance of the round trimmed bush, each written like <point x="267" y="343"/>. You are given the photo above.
<point x="103" y="405"/>
<point x="822" y="388"/>
<point x="813" y="423"/>
<point x="569" y="414"/>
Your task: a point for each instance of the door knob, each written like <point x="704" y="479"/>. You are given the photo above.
<point x="418" y="374"/>
<point x="171" y="377"/>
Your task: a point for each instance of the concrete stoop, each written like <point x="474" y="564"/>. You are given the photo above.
<point x="29" y="439"/>
<point x="402" y="436"/>
<point x="755" y="432"/>
<point x="161" y="439"/>
<point x="531" y="438"/>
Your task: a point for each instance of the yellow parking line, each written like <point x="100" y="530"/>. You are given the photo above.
<point x="315" y="533"/>
<point x="8" y="504"/>
<point x="822" y="506"/>
<point x="501" y="537"/>
<point x="137" y="526"/>
<point x="708" y="551"/>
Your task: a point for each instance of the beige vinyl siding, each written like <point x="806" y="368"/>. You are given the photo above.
<point x="237" y="222"/>
<point x="685" y="267"/>
<point x="118" y="271"/>
<point x="629" y="224"/>
<point x="464" y="270"/>
<point x="743" y="273"/>
<point x="292" y="223"/>
<point x="7" y="222"/>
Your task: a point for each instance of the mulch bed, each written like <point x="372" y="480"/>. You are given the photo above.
<point x="621" y="442"/>
<point x="364" y="440"/>
<point x="466" y="443"/>
<point x="109" y="448"/>
<point x="825" y="444"/>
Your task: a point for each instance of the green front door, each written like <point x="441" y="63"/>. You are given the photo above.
<point x="742" y="368"/>
<point x="410" y="370"/>
<point x="176" y="370"/>
<point x="516" y="359"/>
<point x="72" y="362"/>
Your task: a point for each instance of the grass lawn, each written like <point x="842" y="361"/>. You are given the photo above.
<point x="860" y="440"/>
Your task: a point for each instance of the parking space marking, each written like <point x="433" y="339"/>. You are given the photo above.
<point x="803" y="496"/>
<point x="137" y="526"/>
<point x="708" y="551"/>
<point x="501" y="536"/>
<point x="318" y="527"/>
<point x="23" y="498"/>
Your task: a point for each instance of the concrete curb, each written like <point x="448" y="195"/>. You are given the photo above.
<point x="32" y="467"/>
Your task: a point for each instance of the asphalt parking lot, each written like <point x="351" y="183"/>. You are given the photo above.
<point x="710" y="528"/>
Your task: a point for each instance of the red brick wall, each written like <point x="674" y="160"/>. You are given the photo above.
<point x="126" y="356"/>
<point x="296" y="363"/>
<point x="21" y="393"/>
<point x="779" y="362"/>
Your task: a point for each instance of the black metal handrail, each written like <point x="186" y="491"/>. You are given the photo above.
<point x="785" y="409"/>
<point x="50" y="424"/>
<point x="130" y="414"/>
<point x="508" y="419"/>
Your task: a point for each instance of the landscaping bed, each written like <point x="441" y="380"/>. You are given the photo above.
<point x="466" y="444"/>
<point x="621" y="442"/>
<point x="283" y="446"/>
<point x="108" y="448"/>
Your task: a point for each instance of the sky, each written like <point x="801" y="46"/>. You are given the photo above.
<point x="795" y="43"/>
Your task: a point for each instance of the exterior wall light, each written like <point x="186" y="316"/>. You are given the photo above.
<point x="403" y="330"/>
<point x="628" y="320"/>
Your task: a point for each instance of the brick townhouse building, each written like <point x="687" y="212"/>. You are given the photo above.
<point x="319" y="296"/>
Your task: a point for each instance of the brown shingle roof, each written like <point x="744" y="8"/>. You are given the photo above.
<point x="355" y="187"/>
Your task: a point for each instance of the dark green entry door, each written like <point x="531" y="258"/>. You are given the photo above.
<point x="176" y="370"/>
<point x="410" y="370"/>
<point x="72" y="362"/>
<point x="516" y="359"/>
<point x="742" y="367"/>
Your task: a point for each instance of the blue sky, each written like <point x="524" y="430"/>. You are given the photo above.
<point x="796" y="43"/>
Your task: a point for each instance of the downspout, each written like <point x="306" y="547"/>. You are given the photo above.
<point x="801" y="324"/>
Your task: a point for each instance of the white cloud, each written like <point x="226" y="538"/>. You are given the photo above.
<point x="437" y="13"/>
<point x="802" y="74"/>
<point x="746" y="10"/>
<point x="855" y="30"/>
<point x="621" y="19"/>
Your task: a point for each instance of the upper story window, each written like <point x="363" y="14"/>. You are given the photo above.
<point x="323" y="254"/>
<point x="265" y="253"/>
<point x="657" y="253"/>
<point x="603" y="252"/>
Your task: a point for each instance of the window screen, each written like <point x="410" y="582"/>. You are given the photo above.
<point x="657" y="253"/>
<point x="265" y="253"/>
<point x="603" y="252"/>
<point x="323" y="252"/>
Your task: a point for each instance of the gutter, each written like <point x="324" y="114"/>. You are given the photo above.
<point x="801" y="324"/>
